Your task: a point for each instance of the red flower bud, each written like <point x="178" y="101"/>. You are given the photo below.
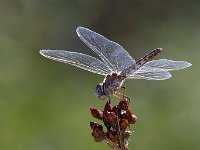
<point x="133" y="119"/>
<point x="115" y="109"/>
<point x="123" y="123"/>
<point x="112" y="136"/>
<point x="111" y="117"/>
<point x="123" y="115"/>
<point x="123" y="104"/>
<point x="98" y="136"/>
<point x="128" y="114"/>
<point x="96" y="113"/>
<point x="97" y="133"/>
<point x="95" y="126"/>
<point x="108" y="107"/>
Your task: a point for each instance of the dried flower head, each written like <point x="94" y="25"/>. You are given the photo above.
<point x="117" y="120"/>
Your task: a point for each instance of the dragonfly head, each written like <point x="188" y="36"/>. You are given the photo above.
<point x="99" y="91"/>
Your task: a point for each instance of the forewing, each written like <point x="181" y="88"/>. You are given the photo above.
<point x="167" y="65"/>
<point x="80" y="60"/>
<point x="150" y="74"/>
<point x="112" y="54"/>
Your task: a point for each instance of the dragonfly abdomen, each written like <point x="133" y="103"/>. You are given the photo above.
<point x="147" y="57"/>
<point x="126" y="72"/>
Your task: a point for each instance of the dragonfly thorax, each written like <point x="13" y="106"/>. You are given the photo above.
<point x="109" y="86"/>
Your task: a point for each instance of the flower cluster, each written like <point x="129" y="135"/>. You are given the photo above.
<point x="117" y="121"/>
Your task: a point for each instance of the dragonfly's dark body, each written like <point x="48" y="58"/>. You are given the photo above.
<point x="116" y="64"/>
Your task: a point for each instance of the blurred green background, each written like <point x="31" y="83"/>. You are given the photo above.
<point x="44" y="105"/>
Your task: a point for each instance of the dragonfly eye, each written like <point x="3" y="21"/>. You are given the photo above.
<point x="99" y="92"/>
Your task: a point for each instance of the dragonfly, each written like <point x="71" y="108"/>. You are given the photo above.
<point x="116" y="64"/>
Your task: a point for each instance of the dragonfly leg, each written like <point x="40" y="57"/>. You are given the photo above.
<point x="123" y="96"/>
<point x="123" y="87"/>
<point x="116" y="96"/>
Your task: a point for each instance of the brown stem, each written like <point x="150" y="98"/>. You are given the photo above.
<point x="120" y="136"/>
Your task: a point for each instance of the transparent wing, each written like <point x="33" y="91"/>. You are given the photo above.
<point x="80" y="60"/>
<point x="150" y="74"/>
<point x="167" y="65"/>
<point x="112" y="54"/>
